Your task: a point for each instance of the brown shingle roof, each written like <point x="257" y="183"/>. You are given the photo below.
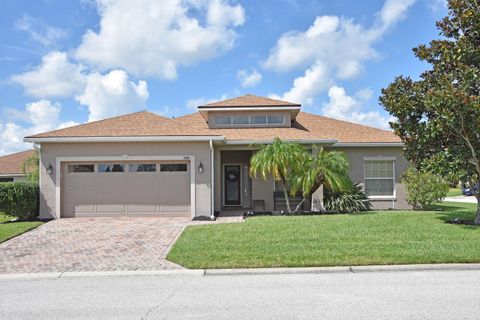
<point x="136" y="124"/>
<point x="250" y="100"/>
<point x="12" y="163"/>
<point x="307" y="126"/>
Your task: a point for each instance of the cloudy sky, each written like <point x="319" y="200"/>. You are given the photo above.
<point x="69" y="62"/>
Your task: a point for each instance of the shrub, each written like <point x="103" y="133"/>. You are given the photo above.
<point x="19" y="199"/>
<point x="424" y="189"/>
<point x="350" y="201"/>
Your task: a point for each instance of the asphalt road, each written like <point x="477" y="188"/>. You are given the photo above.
<point x="380" y="295"/>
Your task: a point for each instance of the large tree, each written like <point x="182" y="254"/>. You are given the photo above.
<point x="438" y="115"/>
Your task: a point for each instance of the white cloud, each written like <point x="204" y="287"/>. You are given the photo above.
<point x="193" y="103"/>
<point x="344" y="107"/>
<point x="56" y="76"/>
<point x="249" y="78"/>
<point x="39" y="116"/>
<point x="39" y="31"/>
<point x="112" y="94"/>
<point x="438" y="6"/>
<point x="393" y="11"/>
<point x="332" y="48"/>
<point x="315" y="80"/>
<point x="154" y="37"/>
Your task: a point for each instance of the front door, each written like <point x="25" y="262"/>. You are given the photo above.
<point x="232" y="185"/>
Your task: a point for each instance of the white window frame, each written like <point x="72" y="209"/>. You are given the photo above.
<point x="231" y="124"/>
<point x="384" y="197"/>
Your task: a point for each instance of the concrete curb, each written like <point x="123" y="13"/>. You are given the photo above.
<point x="267" y="271"/>
<point x="252" y="271"/>
<point x="88" y="274"/>
<point x="417" y="267"/>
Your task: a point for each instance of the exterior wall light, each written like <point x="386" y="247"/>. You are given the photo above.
<point x="200" y="167"/>
<point x="49" y="168"/>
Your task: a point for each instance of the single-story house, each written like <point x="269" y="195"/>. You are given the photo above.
<point x="11" y="166"/>
<point x="198" y="164"/>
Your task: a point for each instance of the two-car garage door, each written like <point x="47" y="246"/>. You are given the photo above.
<point x="126" y="188"/>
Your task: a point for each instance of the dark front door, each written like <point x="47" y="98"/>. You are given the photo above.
<point x="232" y="187"/>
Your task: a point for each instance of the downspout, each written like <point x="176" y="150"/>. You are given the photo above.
<point x="212" y="183"/>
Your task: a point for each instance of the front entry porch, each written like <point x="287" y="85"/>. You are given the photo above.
<point x="236" y="192"/>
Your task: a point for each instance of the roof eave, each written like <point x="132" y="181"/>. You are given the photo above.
<point x="368" y="144"/>
<point x="302" y="141"/>
<point x="123" y="139"/>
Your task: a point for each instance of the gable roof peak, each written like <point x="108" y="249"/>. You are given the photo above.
<point x="249" y="100"/>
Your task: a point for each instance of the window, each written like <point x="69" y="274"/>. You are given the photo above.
<point x="249" y="120"/>
<point x="142" y="167"/>
<point x="241" y="120"/>
<point x="172" y="167"/>
<point x="84" y="168"/>
<point x="275" y="119"/>
<point x="6" y="179"/>
<point x="258" y="119"/>
<point x="379" y="178"/>
<point x="223" y="120"/>
<point x="111" y="167"/>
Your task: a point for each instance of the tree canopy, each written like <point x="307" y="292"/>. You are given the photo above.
<point x="438" y="115"/>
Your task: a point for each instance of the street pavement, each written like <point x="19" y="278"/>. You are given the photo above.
<point x="364" y="295"/>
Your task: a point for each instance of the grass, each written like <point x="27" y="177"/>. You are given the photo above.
<point x="10" y="229"/>
<point x="453" y="192"/>
<point x="395" y="237"/>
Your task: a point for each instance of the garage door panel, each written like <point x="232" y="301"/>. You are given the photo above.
<point x="142" y="199"/>
<point x="147" y="192"/>
<point x="174" y="192"/>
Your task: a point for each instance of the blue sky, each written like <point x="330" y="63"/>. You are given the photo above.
<point x="69" y="62"/>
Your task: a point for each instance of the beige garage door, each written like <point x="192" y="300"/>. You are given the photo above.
<point x="126" y="188"/>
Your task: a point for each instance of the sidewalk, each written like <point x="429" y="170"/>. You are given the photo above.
<point x="464" y="199"/>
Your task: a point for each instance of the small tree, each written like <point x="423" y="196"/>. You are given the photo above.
<point x="438" y="116"/>
<point x="317" y="168"/>
<point x="280" y="160"/>
<point x="424" y="189"/>
<point x="300" y="170"/>
<point x="30" y="166"/>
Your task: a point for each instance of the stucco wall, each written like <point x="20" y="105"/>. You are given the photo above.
<point x="356" y="159"/>
<point x="50" y="151"/>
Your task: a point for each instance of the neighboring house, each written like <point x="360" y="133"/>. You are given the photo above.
<point x="11" y="166"/>
<point x="198" y="164"/>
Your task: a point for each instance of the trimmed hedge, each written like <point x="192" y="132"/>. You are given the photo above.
<point x="424" y="189"/>
<point x="19" y="199"/>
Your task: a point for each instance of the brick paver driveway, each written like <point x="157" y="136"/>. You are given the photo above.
<point x="93" y="244"/>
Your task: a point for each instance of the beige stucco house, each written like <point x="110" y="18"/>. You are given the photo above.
<point x="11" y="166"/>
<point x="197" y="165"/>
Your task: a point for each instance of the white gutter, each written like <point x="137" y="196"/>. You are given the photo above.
<point x="238" y="142"/>
<point x="126" y="139"/>
<point x="249" y="108"/>
<point x="212" y="184"/>
<point x="368" y="144"/>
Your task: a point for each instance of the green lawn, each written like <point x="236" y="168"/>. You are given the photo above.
<point x="454" y="192"/>
<point x="399" y="237"/>
<point x="9" y="229"/>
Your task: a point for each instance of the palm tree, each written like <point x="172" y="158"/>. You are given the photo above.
<point x="320" y="167"/>
<point x="280" y="160"/>
<point x="31" y="167"/>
